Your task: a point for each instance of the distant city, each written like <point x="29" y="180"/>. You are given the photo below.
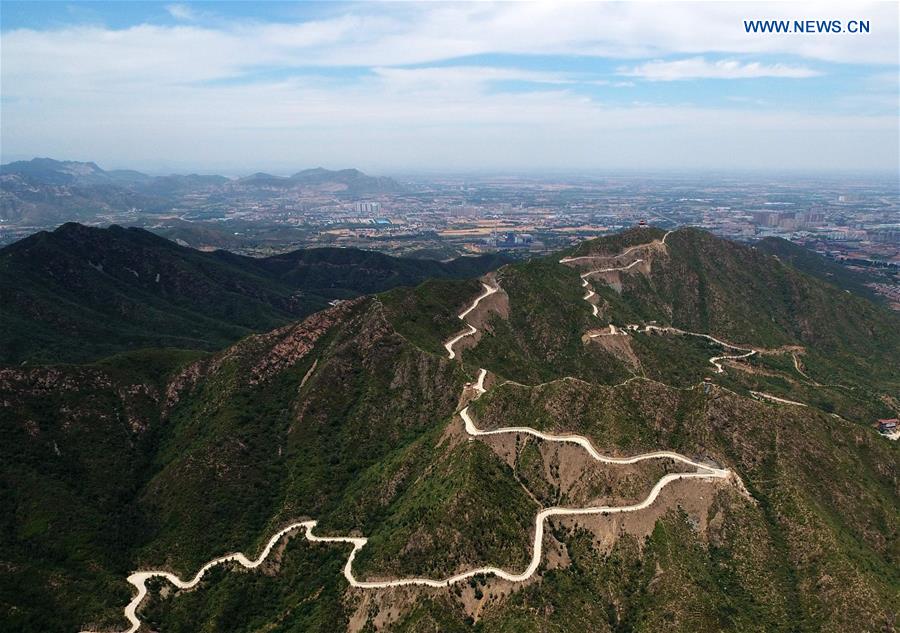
<point x="855" y="221"/>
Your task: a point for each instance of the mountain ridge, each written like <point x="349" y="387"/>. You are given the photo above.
<point x="82" y="292"/>
<point x="43" y="191"/>
<point x="52" y="171"/>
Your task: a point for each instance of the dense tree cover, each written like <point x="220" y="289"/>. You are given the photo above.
<point x="79" y="293"/>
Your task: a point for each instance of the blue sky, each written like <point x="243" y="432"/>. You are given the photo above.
<point x="389" y="87"/>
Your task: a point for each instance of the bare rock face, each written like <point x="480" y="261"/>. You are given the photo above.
<point x="297" y="340"/>
<point x="269" y="353"/>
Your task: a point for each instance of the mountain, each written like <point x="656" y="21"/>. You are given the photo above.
<point x="79" y="293"/>
<point x="367" y="271"/>
<point x="426" y="444"/>
<point x="47" y="171"/>
<point x="44" y="191"/>
<point x="54" y="172"/>
<point x="344" y="181"/>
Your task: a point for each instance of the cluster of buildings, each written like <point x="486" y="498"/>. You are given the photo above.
<point x="510" y="240"/>
<point x="787" y="221"/>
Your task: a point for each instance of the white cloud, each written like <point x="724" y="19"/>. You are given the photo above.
<point x="390" y="35"/>
<point x="182" y="12"/>
<point x="700" y="68"/>
<point x="376" y="125"/>
<point x="478" y="78"/>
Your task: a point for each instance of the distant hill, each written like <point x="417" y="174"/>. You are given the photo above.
<point x="355" y="181"/>
<point x="44" y="191"/>
<point x="54" y="172"/>
<point x="262" y="179"/>
<point x="47" y="171"/>
<point x="79" y="293"/>
<point x="344" y="181"/>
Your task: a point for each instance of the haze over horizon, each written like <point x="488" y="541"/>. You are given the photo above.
<point x="235" y="88"/>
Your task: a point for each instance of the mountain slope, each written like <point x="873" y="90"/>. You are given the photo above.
<point x="79" y="293"/>
<point x="818" y="266"/>
<point x="352" y="418"/>
<point x="334" y="269"/>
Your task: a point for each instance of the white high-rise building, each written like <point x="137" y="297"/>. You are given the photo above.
<point x="367" y="207"/>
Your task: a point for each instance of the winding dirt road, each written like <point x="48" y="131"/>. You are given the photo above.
<point x="590" y="291"/>
<point x="647" y="328"/>
<point x="580" y="440"/>
<point x="766" y="396"/>
<point x="587" y="297"/>
<point x="449" y="344"/>
<point x="715" y="359"/>
<point x="611" y="269"/>
<point x="488" y="291"/>
<point x="584" y="276"/>
<point x="566" y="260"/>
